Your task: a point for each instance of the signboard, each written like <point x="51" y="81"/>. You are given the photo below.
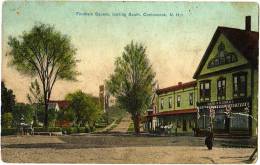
<point x="226" y="103"/>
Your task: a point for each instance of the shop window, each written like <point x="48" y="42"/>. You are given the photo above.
<point x="170" y="102"/>
<point x="191" y="98"/>
<point x="205" y="91"/>
<point x="204" y="120"/>
<point x="239" y="85"/>
<point x="162" y="103"/>
<point x="178" y="101"/>
<point x="221" y="89"/>
<point x="239" y="122"/>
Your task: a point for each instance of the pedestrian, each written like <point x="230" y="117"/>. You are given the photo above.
<point x="209" y="140"/>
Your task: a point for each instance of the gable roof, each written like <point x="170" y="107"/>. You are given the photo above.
<point x="246" y="42"/>
<point x="176" y="87"/>
<point x="63" y="104"/>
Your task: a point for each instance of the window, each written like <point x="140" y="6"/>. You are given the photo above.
<point x="222" y="57"/>
<point x="178" y="101"/>
<point x="170" y="102"/>
<point x="162" y="103"/>
<point x="221" y="89"/>
<point x="239" y="85"/>
<point x="205" y="91"/>
<point x="191" y="98"/>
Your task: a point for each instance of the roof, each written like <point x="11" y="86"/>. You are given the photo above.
<point x="246" y="42"/>
<point x="175" y="112"/>
<point x="176" y="87"/>
<point x="63" y="104"/>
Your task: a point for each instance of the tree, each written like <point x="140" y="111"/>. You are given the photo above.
<point x="35" y="95"/>
<point x="8" y="99"/>
<point x="47" y="54"/>
<point x="7" y="120"/>
<point x="24" y="111"/>
<point x="132" y="81"/>
<point x="35" y="98"/>
<point x="87" y="108"/>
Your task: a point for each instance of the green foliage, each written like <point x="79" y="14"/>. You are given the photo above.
<point x="45" y="53"/>
<point x="49" y="129"/>
<point x="132" y="81"/>
<point x="7" y="98"/>
<point x="131" y="127"/>
<point x="35" y="95"/>
<point x="66" y="114"/>
<point x="9" y="131"/>
<point x="52" y="115"/>
<point x="7" y="119"/>
<point x="24" y="111"/>
<point x="86" y="107"/>
<point x="70" y="130"/>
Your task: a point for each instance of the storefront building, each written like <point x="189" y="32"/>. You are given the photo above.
<point x="227" y="81"/>
<point x="174" y="109"/>
<point x="226" y="84"/>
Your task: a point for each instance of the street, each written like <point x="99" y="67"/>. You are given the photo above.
<point x="103" y="148"/>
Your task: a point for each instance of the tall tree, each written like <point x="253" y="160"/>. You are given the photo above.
<point x="7" y="98"/>
<point x="132" y="81"/>
<point x="45" y="53"/>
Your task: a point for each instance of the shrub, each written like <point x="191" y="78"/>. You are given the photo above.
<point x="70" y="130"/>
<point x="54" y="129"/>
<point x="81" y="130"/>
<point x="7" y="120"/>
<point x="9" y="131"/>
<point x="50" y="129"/>
<point x="39" y="129"/>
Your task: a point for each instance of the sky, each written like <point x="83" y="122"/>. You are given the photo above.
<point x="175" y="42"/>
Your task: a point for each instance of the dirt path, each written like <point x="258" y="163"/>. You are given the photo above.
<point x="110" y="149"/>
<point x="123" y="125"/>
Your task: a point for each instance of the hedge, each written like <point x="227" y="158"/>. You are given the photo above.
<point x="9" y="131"/>
<point x="50" y="129"/>
<point x="69" y="130"/>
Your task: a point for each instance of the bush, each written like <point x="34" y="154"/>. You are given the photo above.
<point x="70" y="130"/>
<point x="81" y="130"/>
<point x="9" y="131"/>
<point x="50" y="129"/>
<point x="54" y="129"/>
<point x="39" y="129"/>
<point x="7" y="120"/>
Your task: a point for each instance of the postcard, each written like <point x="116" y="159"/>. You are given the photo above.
<point x="129" y="82"/>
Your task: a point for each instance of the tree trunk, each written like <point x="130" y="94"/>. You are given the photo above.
<point x="46" y="114"/>
<point x="136" y="119"/>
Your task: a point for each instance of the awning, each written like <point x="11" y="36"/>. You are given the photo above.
<point x="174" y="112"/>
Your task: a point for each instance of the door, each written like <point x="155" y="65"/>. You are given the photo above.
<point x="184" y="125"/>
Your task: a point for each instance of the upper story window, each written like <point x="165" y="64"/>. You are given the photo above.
<point x="178" y="101"/>
<point x="162" y="102"/>
<point x="222" y="57"/>
<point x="191" y="98"/>
<point x="170" y="102"/>
<point x="221" y="89"/>
<point x="239" y="85"/>
<point x="205" y="91"/>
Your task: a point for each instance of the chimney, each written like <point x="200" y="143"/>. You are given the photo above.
<point x="179" y="83"/>
<point x="248" y="23"/>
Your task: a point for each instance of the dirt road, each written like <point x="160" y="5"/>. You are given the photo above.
<point x="116" y="149"/>
<point x="123" y="125"/>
